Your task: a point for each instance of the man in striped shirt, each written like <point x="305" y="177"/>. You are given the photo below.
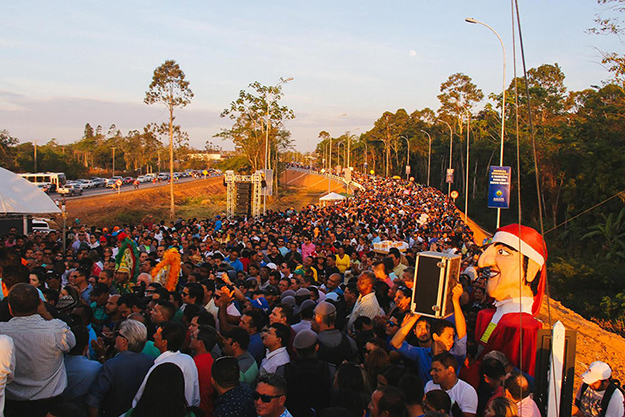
<point x="367" y="304"/>
<point x="40" y="377"/>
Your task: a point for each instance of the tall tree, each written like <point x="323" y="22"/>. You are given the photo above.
<point x="170" y="88"/>
<point x="258" y="116"/>
<point x="459" y="95"/>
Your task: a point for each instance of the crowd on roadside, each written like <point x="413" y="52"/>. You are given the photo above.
<point x="292" y="313"/>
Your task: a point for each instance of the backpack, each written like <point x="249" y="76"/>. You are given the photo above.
<point x="309" y="398"/>
<point x="336" y="355"/>
<point x="607" y="396"/>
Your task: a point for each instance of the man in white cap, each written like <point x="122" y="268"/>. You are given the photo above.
<point x="515" y="262"/>
<point x="598" y="396"/>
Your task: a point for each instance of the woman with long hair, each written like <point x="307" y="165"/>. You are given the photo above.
<point x="163" y="395"/>
<point x="501" y="407"/>
<point x="439" y="401"/>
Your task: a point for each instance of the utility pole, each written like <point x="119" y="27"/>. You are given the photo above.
<point x="35" y="156"/>
<point x="113" y="162"/>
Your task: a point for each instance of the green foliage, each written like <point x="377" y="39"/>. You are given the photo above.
<point x="238" y="164"/>
<point x="258" y="117"/>
<point x="611" y="234"/>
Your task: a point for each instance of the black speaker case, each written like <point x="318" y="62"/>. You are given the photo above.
<point x="436" y="274"/>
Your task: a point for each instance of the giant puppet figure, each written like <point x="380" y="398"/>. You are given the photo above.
<point x="126" y="265"/>
<point x="516" y="259"/>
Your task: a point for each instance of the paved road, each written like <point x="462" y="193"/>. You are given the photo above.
<point x="125" y="188"/>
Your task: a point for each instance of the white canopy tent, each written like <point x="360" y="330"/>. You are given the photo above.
<point x="21" y="197"/>
<point x="332" y="197"/>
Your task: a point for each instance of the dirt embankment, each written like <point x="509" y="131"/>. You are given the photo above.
<point x="132" y="206"/>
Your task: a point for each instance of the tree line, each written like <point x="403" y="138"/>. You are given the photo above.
<point x="580" y="153"/>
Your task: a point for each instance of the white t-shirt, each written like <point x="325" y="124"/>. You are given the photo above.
<point x="462" y="393"/>
<point x="591" y="403"/>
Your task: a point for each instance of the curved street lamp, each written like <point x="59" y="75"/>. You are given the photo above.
<point x="407" y="155"/>
<point x="503" y="99"/>
<point x="451" y="147"/>
<point x="429" y="154"/>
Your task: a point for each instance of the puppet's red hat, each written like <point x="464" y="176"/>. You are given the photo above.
<point x="531" y="244"/>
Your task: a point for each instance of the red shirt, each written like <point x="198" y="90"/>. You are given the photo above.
<point x="204" y="364"/>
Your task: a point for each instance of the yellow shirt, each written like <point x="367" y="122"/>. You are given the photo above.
<point x="342" y="263"/>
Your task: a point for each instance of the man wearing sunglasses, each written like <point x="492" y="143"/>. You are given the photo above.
<point x="270" y="396"/>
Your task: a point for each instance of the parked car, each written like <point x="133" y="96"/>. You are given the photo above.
<point x="99" y="182"/>
<point x="40" y="225"/>
<point x="88" y="183"/>
<point x="69" y="190"/>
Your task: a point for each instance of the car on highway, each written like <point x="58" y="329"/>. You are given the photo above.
<point x="99" y="182"/>
<point x="88" y="183"/>
<point x="163" y="176"/>
<point x="144" y="178"/>
<point x="69" y="190"/>
<point x="77" y="184"/>
<point x="112" y="182"/>
<point x="128" y="180"/>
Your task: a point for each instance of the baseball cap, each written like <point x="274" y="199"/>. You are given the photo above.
<point x="597" y="371"/>
<point x="260" y="303"/>
<point x="289" y="301"/>
<point x="302" y="292"/>
<point x="304" y="339"/>
<point x="324" y="309"/>
<point x="288" y="293"/>
<point x="272" y="266"/>
<point x="332" y="297"/>
<point x="307" y="304"/>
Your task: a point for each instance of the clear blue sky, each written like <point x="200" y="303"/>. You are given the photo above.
<point x="68" y="63"/>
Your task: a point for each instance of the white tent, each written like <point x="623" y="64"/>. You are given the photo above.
<point x="19" y="196"/>
<point x="332" y="197"/>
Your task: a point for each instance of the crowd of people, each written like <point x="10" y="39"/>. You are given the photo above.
<point x="290" y="314"/>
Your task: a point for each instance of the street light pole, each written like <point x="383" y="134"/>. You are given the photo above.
<point x="451" y="145"/>
<point x="282" y="81"/>
<point x="503" y="99"/>
<point x="159" y="168"/>
<point x="466" y="183"/>
<point x="364" y="167"/>
<point x="429" y="154"/>
<point x="407" y="156"/>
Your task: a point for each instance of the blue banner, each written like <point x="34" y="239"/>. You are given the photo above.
<point x="499" y="187"/>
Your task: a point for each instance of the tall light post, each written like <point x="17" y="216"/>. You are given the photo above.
<point x="35" y="156"/>
<point x="407" y="155"/>
<point x="364" y="166"/>
<point x="429" y="154"/>
<point x="159" y="158"/>
<point x="338" y="153"/>
<point x="451" y="147"/>
<point x="466" y="182"/>
<point x="503" y="99"/>
<point x="282" y="81"/>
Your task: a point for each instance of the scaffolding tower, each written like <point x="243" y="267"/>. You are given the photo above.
<point x="243" y="197"/>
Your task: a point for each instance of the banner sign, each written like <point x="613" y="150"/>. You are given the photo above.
<point x="450" y="176"/>
<point x="268" y="190"/>
<point x="499" y="187"/>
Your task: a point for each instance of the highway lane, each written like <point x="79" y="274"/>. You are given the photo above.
<point x="125" y="188"/>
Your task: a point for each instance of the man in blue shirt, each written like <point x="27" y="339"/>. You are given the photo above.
<point x="445" y="337"/>
<point x="120" y="377"/>
<point x="80" y="371"/>
<point x="234" y="261"/>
